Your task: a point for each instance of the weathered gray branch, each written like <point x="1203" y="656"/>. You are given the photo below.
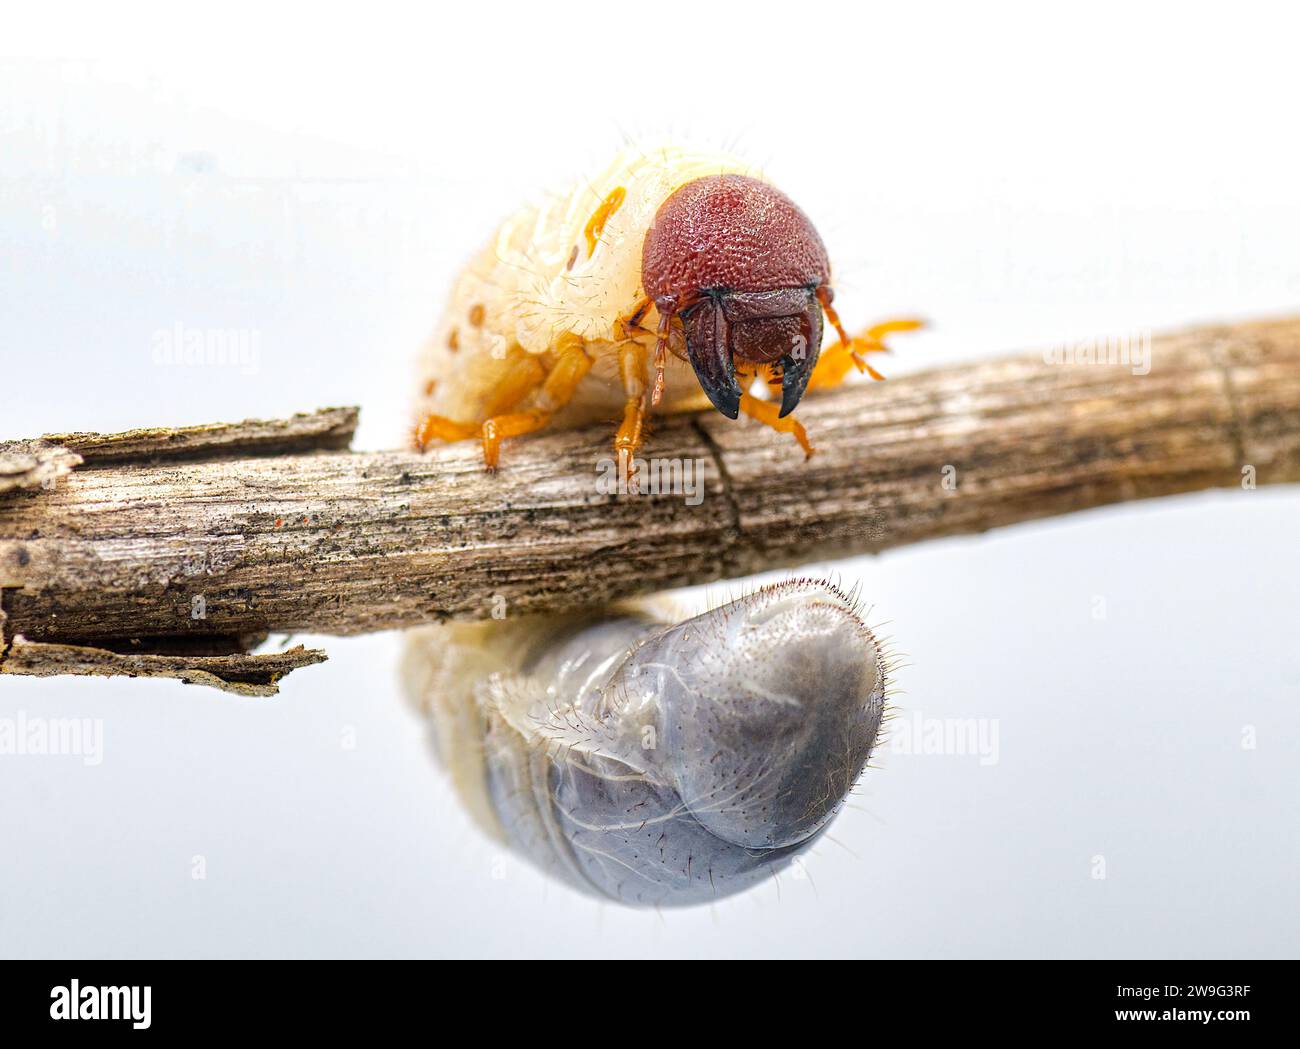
<point x="244" y="674"/>
<point x="216" y="533"/>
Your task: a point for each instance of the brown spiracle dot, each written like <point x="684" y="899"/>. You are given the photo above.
<point x="476" y="314"/>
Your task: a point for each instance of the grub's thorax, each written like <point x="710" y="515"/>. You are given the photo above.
<point x="748" y="275"/>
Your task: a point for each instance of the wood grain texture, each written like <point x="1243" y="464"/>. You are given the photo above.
<point x="33" y="464"/>
<point x="291" y="538"/>
<point x="329" y="428"/>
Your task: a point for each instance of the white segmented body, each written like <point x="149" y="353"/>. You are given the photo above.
<point x="651" y="763"/>
<point x="519" y="294"/>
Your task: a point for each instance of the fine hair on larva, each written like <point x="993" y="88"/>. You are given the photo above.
<point x="672" y="279"/>
<point x="653" y="761"/>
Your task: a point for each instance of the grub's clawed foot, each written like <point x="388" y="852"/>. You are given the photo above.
<point x="549" y="388"/>
<point x="769" y="414"/>
<point x="851" y="352"/>
<point x="873" y="341"/>
<point x="439" y="428"/>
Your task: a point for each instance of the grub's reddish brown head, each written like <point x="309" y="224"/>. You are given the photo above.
<point x="745" y="270"/>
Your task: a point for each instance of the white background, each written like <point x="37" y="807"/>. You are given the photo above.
<point x="1020" y="175"/>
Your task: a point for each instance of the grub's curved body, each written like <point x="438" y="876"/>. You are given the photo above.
<point x="569" y="267"/>
<point x="651" y="763"/>
<point x="672" y="280"/>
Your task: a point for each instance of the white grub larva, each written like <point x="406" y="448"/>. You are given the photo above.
<point x="652" y="763"/>
<point x="672" y="280"/>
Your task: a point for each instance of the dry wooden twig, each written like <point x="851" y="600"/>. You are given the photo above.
<point x="243" y="674"/>
<point x="217" y="533"/>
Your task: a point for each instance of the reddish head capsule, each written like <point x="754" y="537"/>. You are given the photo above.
<point x="747" y="273"/>
<point x="547" y="326"/>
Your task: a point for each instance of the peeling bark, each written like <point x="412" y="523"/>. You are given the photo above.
<point x="238" y="673"/>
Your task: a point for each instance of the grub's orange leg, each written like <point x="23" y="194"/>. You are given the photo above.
<point x="767" y="412"/>
<point x="628" y="326"/>
<point x="571" y="364"/>
<point x="834" y="363"/>
<point x="522" y="373"/>
<point x="873" y="341"/>
<point x="439" y="428"/>
<point x="661" y="356"/>
<point x="632" y="359"/>
<point x="825" y="296"/>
